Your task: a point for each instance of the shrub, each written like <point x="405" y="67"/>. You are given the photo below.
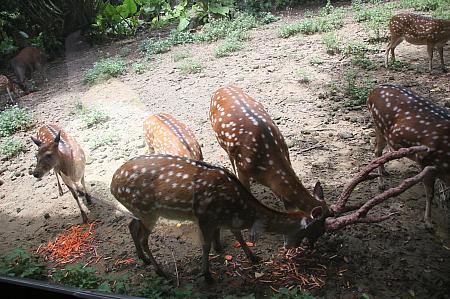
<point x="22" y="264"/>
<point x="10" y="147"/>
<point x="357" y="94"/>
<point x="15" y="119"/>
<point x="227" y="47"/>
<point x="104" y="69"/>
<point x="77" y="276"/>
<point x="332" y="43"/>
<point x="89" y="117"/>
<point x="190" y="66"/>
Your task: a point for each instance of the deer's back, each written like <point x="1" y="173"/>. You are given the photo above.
<point x="417" y="29"/>
<point x="406" y="119"/>
<point x="28" y="57"/>
<point x="246" y="131"/>
<point x="167" y="135"/>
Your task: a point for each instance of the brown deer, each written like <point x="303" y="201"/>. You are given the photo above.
<point x="165" y="134"/>
<point x="24" y="64"/>
<point x="179" y="188"/>
<point x="8" y="86"/>
<point x="418" y="30"/>
<point x="58" y="151"/>
<point x="402" y="118"/>
<point x="257" y="149"/>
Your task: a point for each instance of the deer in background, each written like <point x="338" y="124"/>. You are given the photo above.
<point x="165" y="134"/>
<point x="179" y="188"/>
<point x="24" y="64"/>
<point x="402" y="118"/>
<point x="257" y="149"/>
<point x="58" y="151"/>
<point x="8" y="86"/>
<point x="418" y="30"/>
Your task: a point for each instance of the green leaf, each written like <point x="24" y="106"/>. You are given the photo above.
<point x="217" y="9"/>
<point x="184" y="23"/>
<point x="130" y="6"/>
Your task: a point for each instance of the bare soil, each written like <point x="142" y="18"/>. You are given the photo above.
<point x="397" y="258"/>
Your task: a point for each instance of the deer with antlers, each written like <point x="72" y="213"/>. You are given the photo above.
<point x="403" y="118"/>
<point x="60" y="152"/>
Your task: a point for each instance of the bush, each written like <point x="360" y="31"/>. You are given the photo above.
<point x="357" y="94"/>
<point x="227" y="47"/>
<point x="77" y="276"/>
<point x="220" y="29"/>
<point x="156" y="287"/>
<point x="10" y="147"/>
<point x="22" y="264"/>
<point x="90" y="117"/>
<point x="190" y="66"/>
<point x="15" y="119"/>
<point x="104" y="69"/>
<point x="332" y="43"/>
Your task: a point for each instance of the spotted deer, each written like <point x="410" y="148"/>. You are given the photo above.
<point x="179" y="188"/>
<point x="7" y="85"/>
<point x="24" y="64"/>
<point x="165" y="134"/>
<point x="418" y="30"/>
<point x="403" y="118"/>
<point x="257" y="149"/>
<point x="60" y="152"/>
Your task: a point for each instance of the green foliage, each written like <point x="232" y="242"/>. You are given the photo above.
<point x="140" y="66"/>
<point x="77" y="276"/>
<point x="89" y="117"/>
<point x="228" y="46"/>
<point x="119" y="19"/>
<point x="10" y="147"/>
<point x="20" y="263"/>
<point x="249" y="296"/>
<point x="124" y="52"/>
<point x="426" y="5"/>
<point x="332" y="43"/>
<point x="180" y="56"/>
<point x="104" y="69"/>
<point x="190" y="66"/>
<point x="365" y="62"/>
<point x="358" y="47"/>
<point x="156" y="46"/>
<point x="398" y="65"/>
<point x="222" y="28"/>
<point x="118" y="284"/>
<point x="294" y="293"/>
<point x="328" y="19"/>
<point x="316" y="61"/>
<point x="156" y="287"/>
<point x="14" y="119"/>
<point x="357" y="93"/>
<point x="103" y="140"/>
<point x="302" y="76"/>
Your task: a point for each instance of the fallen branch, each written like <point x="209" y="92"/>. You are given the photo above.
<point x="311" y="148"/>
<point x="359" y="216"/>
<point x="339" y="206"/>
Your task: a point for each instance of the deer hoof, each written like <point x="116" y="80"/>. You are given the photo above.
<point x="85" y="218"/>
<point x="429" y="226"/>
<point x="209" y="279"/>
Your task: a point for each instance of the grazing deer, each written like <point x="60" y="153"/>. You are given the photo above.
<point x="24" y="64"/>
<point x="165" y="134"/>
<point x="402" y="118"/>
<point x="58" y="151"/>
<point x="257" y="149"/>
<point x="418" y="30"/>
<point x="179" y="188"/>
<point x="8" y="86"/>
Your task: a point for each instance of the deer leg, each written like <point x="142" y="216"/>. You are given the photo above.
<point x="217" y="245"/>
<point x="441" y="56"/>
<point x="135" y="226"/>
<point x="86" y="194"/>
<point x="207" y="234"/>
<point x="244" y="179"/>
<point x="61" y="193"/>
<point x="429" y="190"/>
<point x="74" y="194"/>
<point x="250" y="255"/>
<point x="393" y="43"/>
<point x="430" y="56"/>
<point x="9" y="94"/>
<point x="380" y="144"/>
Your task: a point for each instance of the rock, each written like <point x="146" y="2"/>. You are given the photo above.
<point x="17" y="174"/>
<point x="1" y="182"/>
<point x="346" y="135"/>
<point x="18" y="210"/>
<point x="2" y="196"/>
<point x="46" y="215"/>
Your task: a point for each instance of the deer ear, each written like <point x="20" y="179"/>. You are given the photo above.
<point x="317" y="212"/>
<point x="318" y="191"/>
<point x="36" y="141"/>
<point x="57" y="138"/>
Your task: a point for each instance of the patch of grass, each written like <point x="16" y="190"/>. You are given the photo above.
<point x="156" y="46"/>
<point x="294" y="293"/>
<point x="140" y="66"/>
<point x="180" y="56"/>
<point x="156" y="287"/>
<point x="425" y="5"/>
<point x="89" y="117"/>
<point x="328" y="19"/>
<point x="105" y="139"/>
<point x="181" y="37"/>
<point x="358" y="48"/>
<point x="302" y="76"/>
<point x="249" y="296"/>
<point x="20" y="263"/>
<point x="332" y="43"/>
<point x="190" y="66"/>
<point x="227" y="47"/>
<point x="267" y="17"/>
<point x="398" y="65"/>
<point x="104" y="69"/>
<point x="124" y="52"/>
<point x="316" y="61"/>
<point x="11" y="147"/>
<point x="365" y="62"/>
<point x="15" y="119"/>
<point x="77" y="276"/>
<point x="222" y="28"/>
<point x="356" y="93"/>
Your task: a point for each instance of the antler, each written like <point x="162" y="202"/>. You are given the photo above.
<point x="339" y="207"/>
<point x="359" y="216"/>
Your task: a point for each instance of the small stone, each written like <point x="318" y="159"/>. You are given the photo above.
<point x="2" y="196"/>
<point x="17" y="174"/>
<point x="1" y="182"/>
<point x="46" y="215"/>
<point x="18" y="210"/>
<point x="346" y="135"/>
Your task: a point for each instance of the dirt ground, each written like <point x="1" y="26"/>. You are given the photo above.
<point x="397" y="258"/>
